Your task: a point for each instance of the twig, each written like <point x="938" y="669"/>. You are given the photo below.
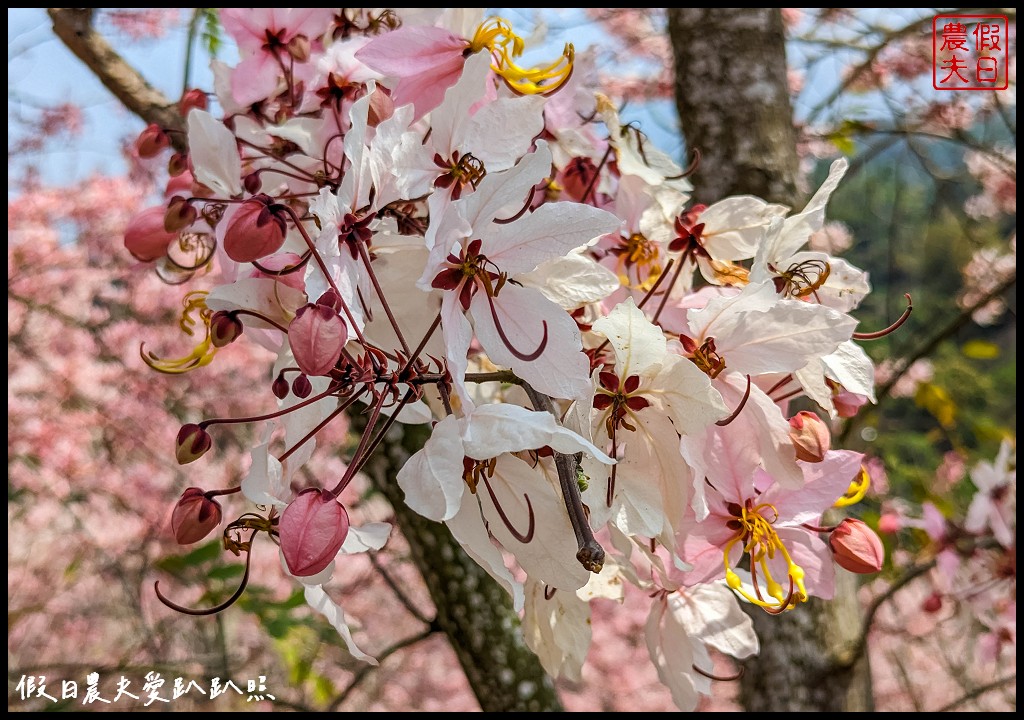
<point x="977" y="692"/>
<point x="74" y="27"/>
<point x="364" y="672"/>
<point x="407" y="603"/>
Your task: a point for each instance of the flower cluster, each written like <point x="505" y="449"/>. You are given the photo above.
<point x="416" y="223"/>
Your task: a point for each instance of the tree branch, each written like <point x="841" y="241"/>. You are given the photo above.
<point x="75" y="29"/>
<point x="365" y="670"/>
<point x="977" y="692"/>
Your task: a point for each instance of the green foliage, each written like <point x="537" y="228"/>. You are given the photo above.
<point x="212" y="35"/>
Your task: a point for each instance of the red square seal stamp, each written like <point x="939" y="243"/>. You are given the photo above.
<point x="970" y="52"/>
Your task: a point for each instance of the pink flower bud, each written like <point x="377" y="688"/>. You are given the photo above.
<point x="151" y="141"/>
<point x="932" y="603"/>
<point x="194" y="517"/>
<point x="810" y="436"/>
<point x="179" y="215"/>
<point x="279" y="387"/>
<point x="225" y="328"/>
<point x="145" y="237"/>
<point x="317" y="336"/>
<point x="177" y="164"/>
<point x="192" y="99"/>
<point x="298" y="47"/>
<point x="301" y="386"/>
<point x="312" y="530"/>
<point x="192" y="443"/>
<point x="856" y="547"/>
<point x="256" y="230"/>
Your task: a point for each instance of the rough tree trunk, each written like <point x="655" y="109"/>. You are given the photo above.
<point x="734" y="107"/>
<point x="472" y="609"/>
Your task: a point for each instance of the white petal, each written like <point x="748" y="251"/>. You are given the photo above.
<point x="688" y="395"/>
<point x="505" y="189"/>
<point x="799" y="228"/>
<point x="469" y="531"/>
<point x="506" y="428"/>
<point x="735" y="227"/>
<point x="319" y="600"/>
<point x="851" y="367"/>
<point x="263" y="485"/>
<point x="672" y="653"/>
<point x="501" y="132"/>
<point x="571" y="281"/>
<point x="432" y="478"/>
<point x="214" y="154"/>
<point x="561" y="370"/>
<point x="639" y="345"/>
<point x="550" y="556"/>
<point x="372" y="536"/>
<point x="265" y="296"/>
<point x="450" y="118"/>
<point x="712" y="613"/>
<point x="557" y="628"/>
<point x="550" y="231"/>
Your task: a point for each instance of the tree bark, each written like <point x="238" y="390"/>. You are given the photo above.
<point x="473" y="610"/>
<point x="733" y="100"/>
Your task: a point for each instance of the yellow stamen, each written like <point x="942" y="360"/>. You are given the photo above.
<point x="202" y="354"/>
<point x="857" y="490"/>
<point x="761" y="542"/>
<point x="496" y="36"/>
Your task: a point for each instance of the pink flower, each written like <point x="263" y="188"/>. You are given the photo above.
<point x="312" y="530"/>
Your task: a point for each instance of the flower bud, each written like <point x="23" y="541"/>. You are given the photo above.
<point x="252" y="183"/>
<point x="195" y="516"/>
<point x="298" y="47"/>
<point x="177" y="164"/>
<point x="145" y="237"/>
<point x="317" y="336"/>
<point x="810" y="436"/>
<point x="256" y="230"/>
<point x="856" y="547"/>
<point x="932" y="603"/>
<point x="312" y="530"/>
<point x="151" y="141"/>
<point x="179" y="215"/>
<point x="192" y="100"/>
<point x="192" y="443"/>
<point x="301" y="386"/>
<point x="225" y="328"/>
<point x="279" y="387"/>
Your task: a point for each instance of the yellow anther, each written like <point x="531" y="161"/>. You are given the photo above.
<point x="496" y="36"/>
<point x="202" y="354"/>
<point x="857" y="490"/>
<point x="761" y="543"/>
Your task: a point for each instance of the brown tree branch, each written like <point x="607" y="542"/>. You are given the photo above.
<point x="75" y="29"/>
<point x="977" y="692"/>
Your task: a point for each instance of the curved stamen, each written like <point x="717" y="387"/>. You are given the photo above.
<point x="549" y="592"/>
<point x="521" y="537"/>
<point x="217" y="608"/>
<point x="525" y="357"/>
<point x="739" y="408"/>
<point x="892" y="328"/>
<point x="690" y="170"/>
<point x="526" y="206"/>
<point x="285" y="270"/>
<point x="720" y="678"/>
